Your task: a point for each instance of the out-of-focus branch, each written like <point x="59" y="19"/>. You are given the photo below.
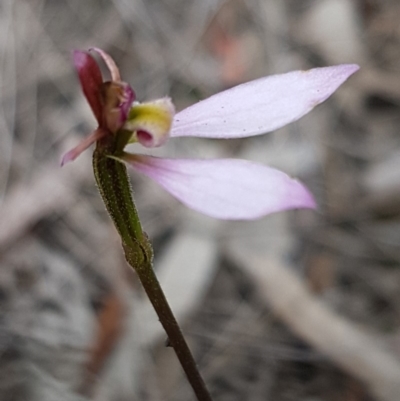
<point x="347" y="345"/>
<point x="51" y="189"/>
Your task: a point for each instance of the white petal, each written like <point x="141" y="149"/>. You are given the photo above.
<point x="262" y="105"/>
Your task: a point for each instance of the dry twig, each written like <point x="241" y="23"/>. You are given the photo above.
<point x="350" y="347"/>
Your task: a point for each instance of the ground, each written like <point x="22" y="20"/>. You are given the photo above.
<point x="74" y="323"/>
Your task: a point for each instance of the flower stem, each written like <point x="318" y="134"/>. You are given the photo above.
<point x="157" y="298"/>
<point x="113" y="182"/>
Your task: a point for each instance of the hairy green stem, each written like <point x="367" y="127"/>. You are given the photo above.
<point x="113" y="182"/>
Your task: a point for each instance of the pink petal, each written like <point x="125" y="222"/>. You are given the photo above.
<point x="127" y="99"/>
<point x="83" y="145"/>
<point x="91" y="81"/>
<point x="225" y="188"/>
<point x="110" y="63"/>
<point x="127" y="95"/>
<point x="262" y="105"/>
<point x="118" y="98"/>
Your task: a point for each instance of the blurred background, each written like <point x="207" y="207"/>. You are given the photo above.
<point x="74" y="323"/>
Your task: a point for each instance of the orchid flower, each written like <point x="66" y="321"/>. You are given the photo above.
<point x="221" y="188"/>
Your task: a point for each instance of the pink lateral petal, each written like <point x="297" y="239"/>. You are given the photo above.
<point x="225" y="188"/>
<point x="112" y="67"/>
<point x="262" y="105"/>
<point x="91" y="80"/>
<point x="82" y="146"/>
<point x="128" y="97"/>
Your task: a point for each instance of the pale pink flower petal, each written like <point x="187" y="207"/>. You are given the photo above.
<point x="262" y="105"/>
<point x="110" y="63"/>
<point x="225" y="188"/>
<point x="82" y="146"/>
